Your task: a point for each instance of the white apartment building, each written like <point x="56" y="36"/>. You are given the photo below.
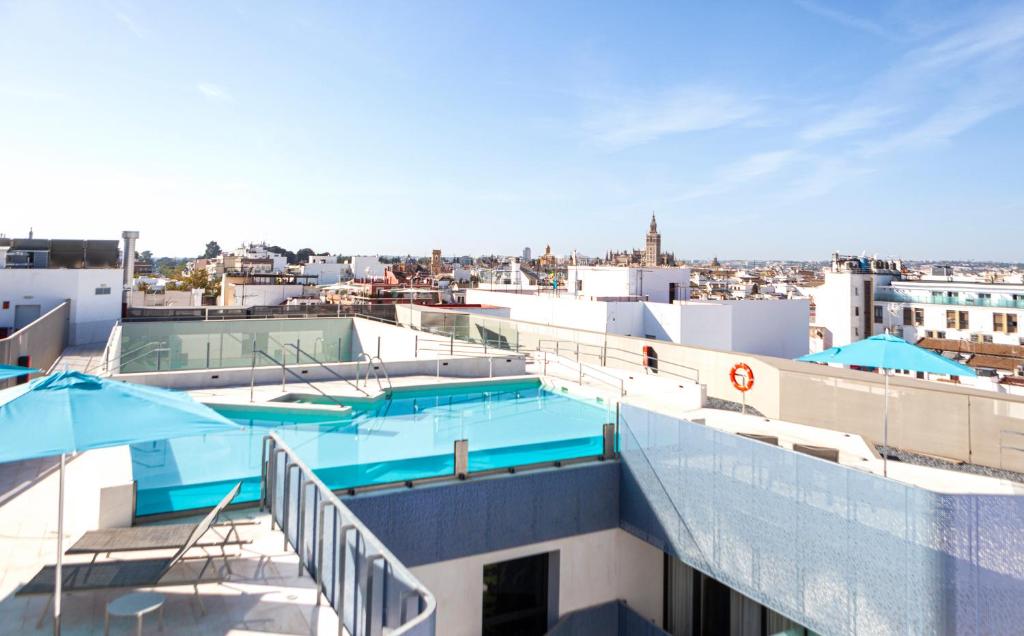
<point x="655" y="284"/>
<point x="327" y="269"/>
<point x="764" y="327"/>
<point x="979" y="312"/>
<point x="37" y="275"/>
<point x="862" y="297"/>
<point x="368" y="267"/>
<point x="844" y="304"/>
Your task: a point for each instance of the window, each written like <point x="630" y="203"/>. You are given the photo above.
<point x="856" y="311"/>
<point x="102" y="291"/>
<point x="964" y="323"/>
<point x="878" y="315"/>
<point x="908" y="316"/>
<point x="951" y="319"/>
<point x="918" y="317"/>
<point x="515" y="599"/>
<point x="999" y="322"/>
<point x="1011" y="323"/>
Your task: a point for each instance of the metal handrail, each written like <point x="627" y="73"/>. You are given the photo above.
<point x="327" y="368"/>
<point x="284" y="369"/>
<point x="369" y="367"/>
<point x="582" y="370"/>
<point x="604" y="349"/>
<point x="344" y="522"/>
<point x="121" y="361"/>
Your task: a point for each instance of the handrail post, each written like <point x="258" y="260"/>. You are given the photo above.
<point x="320" y="552"/>
<point x="252" y="377"/>
<point x="303" y="485"/>
<point x="608" y="439"/>
<point x="373" y="558"/>
<point x="461" y="458"/>
<point x="342" y="566"/>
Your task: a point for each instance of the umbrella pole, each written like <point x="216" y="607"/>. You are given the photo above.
<point x="885" y="428"/>
<point x="60" y="551"/>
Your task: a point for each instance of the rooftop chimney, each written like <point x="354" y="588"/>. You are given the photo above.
<point x="129" y="237"/>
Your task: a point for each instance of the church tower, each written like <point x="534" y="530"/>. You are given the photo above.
<point x="652" y="249"/>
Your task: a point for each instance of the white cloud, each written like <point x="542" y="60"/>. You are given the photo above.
<point x="130" y="23"/>
<point x="846" y="19"/>
<point x="684" y="110"/>
<point x="214" y="92"/>
<point x="736" y="174"/>
<point x="848" y="122"/>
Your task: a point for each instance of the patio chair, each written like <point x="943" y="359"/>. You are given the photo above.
<point x="160" y="537"/>
<point x="131" y="574"/>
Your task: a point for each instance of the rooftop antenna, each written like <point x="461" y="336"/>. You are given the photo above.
<point x="30" y="232"/>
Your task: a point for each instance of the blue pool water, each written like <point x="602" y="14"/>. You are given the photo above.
<point x="408" y="437"/>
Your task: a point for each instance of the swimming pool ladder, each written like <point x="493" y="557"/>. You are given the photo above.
<point x="370" y="366"/>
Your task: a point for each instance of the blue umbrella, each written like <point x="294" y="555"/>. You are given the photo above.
<point x="8" y="371"/>
<point x="71" y="411"/>
<point x="887" y="352"/>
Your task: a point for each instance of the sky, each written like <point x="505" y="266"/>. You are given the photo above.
<point x="762" y="130"/>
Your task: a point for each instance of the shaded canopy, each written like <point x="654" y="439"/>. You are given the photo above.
<point x="8" y="371"/>
<point x="72" y="411"/>
<point x="886" y="351"/>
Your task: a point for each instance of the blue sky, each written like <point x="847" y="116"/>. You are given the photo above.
<point x="782" y="129"/>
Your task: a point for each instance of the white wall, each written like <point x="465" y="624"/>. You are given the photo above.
<point x="767" y="327"/>
<point x="171" y="298"/>
<point x="328" y="273"/>
<point x="612" y="282"/>
<point x="361" y="263"/>
<point x="92" y="314"/>
<point x="593" y="568"/>
<point x="264" y="295"/>
<point x="770" y="327"/>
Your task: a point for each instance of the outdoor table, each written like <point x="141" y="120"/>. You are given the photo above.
<point x="136" y="604"/>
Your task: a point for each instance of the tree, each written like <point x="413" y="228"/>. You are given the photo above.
<point x="212" y="250"/>
<point x="303" y="255"/>
<point x="198" y="278"/>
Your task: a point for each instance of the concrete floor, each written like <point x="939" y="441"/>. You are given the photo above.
<point x="265" y="595"/>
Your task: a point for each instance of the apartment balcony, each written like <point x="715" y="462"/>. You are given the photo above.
<point x="933" y="299"/>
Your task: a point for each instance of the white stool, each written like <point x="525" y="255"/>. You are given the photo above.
<point x="137" y="605"/>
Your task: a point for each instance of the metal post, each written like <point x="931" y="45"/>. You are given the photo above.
<point x="303" y="485"/>
<point x="490" y="372"/>
<point x="461" y="457"/>
<point x="378" y="346"/>
<point x="885" y="428"/>
<point x="207" y="354"/>
<point x="369" y="592"/>
<point x="158" y="352"/>
<point x="577" y="351"/>
<point x="451" y="345"/>
<point x="416" y="347"/>
<point x="298" y="345"/>
<point x="252" y="377"/>
<point x="608" y="437"/>
<point x="58" y="575"/>
<point x="320" y="552"/>
<point x="339" y="350"/>
<point x="343" y="539"/>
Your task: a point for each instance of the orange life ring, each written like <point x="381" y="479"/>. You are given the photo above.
<point x="749" y="384"/>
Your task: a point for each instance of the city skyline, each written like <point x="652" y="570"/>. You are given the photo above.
<point x="772" y="132"/>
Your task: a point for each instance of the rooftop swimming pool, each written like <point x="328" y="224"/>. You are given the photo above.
<point x="410" y="436"/>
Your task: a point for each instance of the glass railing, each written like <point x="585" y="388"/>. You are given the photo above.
<point x="938" y="299"/>
<point x="837" y="549"/>
<point x="230" y="343"/>
<point x="367" y="586"/>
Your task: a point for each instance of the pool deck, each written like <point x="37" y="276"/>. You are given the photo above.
<point x="264" y="595"/>
<point x="267" y="394"/>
